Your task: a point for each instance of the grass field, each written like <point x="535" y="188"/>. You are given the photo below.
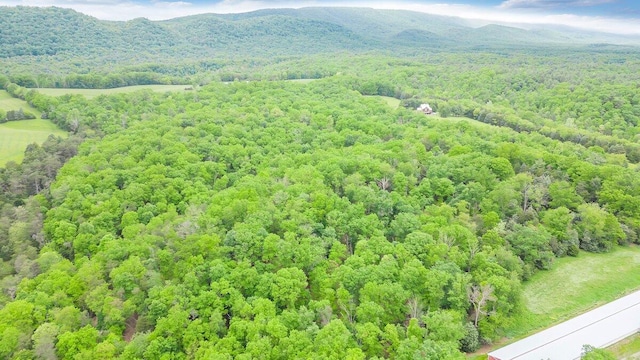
<point x="576" y="285"/>
<point x="8" y="102"/>
<point x="91" y="93"/>
<point x="16" y="135"/>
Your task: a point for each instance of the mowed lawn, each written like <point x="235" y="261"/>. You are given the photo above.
<point x="91" y="93"/>
<point x="8" y="102"/>
<point x="16" y="135"/>
<point x="576" y="285"/>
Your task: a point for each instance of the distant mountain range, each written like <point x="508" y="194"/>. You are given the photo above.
<point x="36" y="31"/>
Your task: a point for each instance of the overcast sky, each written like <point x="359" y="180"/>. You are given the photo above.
<point x="616" y="16"/>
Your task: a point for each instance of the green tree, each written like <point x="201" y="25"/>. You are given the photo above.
<point x="470" y="342"/>
<point x="71" y="344"/>
<point x="333" y="341"/>
<point x="563" y="194"/>
<point x="598" y="230"/>
<point x="288" y="287"/>
<point x="44" y="339"/>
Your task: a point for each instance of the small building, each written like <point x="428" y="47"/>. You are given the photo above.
<point x="425" y="108"/>
<point x="599" y="328"/>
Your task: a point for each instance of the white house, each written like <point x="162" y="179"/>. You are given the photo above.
<point x="425" y="108"/>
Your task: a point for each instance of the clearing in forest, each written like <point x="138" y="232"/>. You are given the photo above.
<point x="8" y="103"/>
<point x="91" y="93"/>
<point x="15" y="136"/>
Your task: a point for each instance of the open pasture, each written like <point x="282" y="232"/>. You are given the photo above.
<point x="8" y="103"/>
<point x="15" y="136"/>
<point x="91" y="93"/>
<point x="577" y="284"/>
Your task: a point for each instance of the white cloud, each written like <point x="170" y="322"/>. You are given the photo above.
<point x="551" y="3"/>
<point x="166" y="9"/>
<point x="172" y="3"/>
<point x="62" y="3"/>
<point x="515" y="16"/>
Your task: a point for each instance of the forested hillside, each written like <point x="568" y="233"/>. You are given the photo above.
<point x="54" y="47"/>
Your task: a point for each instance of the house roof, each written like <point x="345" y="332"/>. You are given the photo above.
<point x="599" y="327"/>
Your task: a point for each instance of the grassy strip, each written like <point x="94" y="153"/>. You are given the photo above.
<point x="628" y="348"/>
<point x="15" y="136"/>
<point x="91" y="93"/>
<point x="8" y="103"/>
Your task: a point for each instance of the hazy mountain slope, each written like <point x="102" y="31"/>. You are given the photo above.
<point x="496" y="34"/>
<point x="30" y="31"/>
<point x="387" y="24"/>
<point x="48" y="31"/>
<point x="51" y="31"/>
<point x="141" y="33"/>
<point x="377" y="24"/>
<point x="410" y="37"/>
<point x="268" y="33"/>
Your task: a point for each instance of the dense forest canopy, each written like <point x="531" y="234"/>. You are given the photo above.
<point x="276" y="219"/>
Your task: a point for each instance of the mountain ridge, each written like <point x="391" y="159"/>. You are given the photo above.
<point x="37" y="31"/>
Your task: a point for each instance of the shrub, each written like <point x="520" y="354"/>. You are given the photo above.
<point x="470" y="342"/>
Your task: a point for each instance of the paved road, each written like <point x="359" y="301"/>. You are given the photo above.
<point x="599" y="327"/>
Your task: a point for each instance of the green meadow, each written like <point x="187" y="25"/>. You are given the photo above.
<point x="8" y="102"/>
<point x="15" y="136"/>
<point x="91" y="93"/>
<point x="575" y="285"/>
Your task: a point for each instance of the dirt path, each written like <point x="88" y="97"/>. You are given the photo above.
<point x="130" y="328"/>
